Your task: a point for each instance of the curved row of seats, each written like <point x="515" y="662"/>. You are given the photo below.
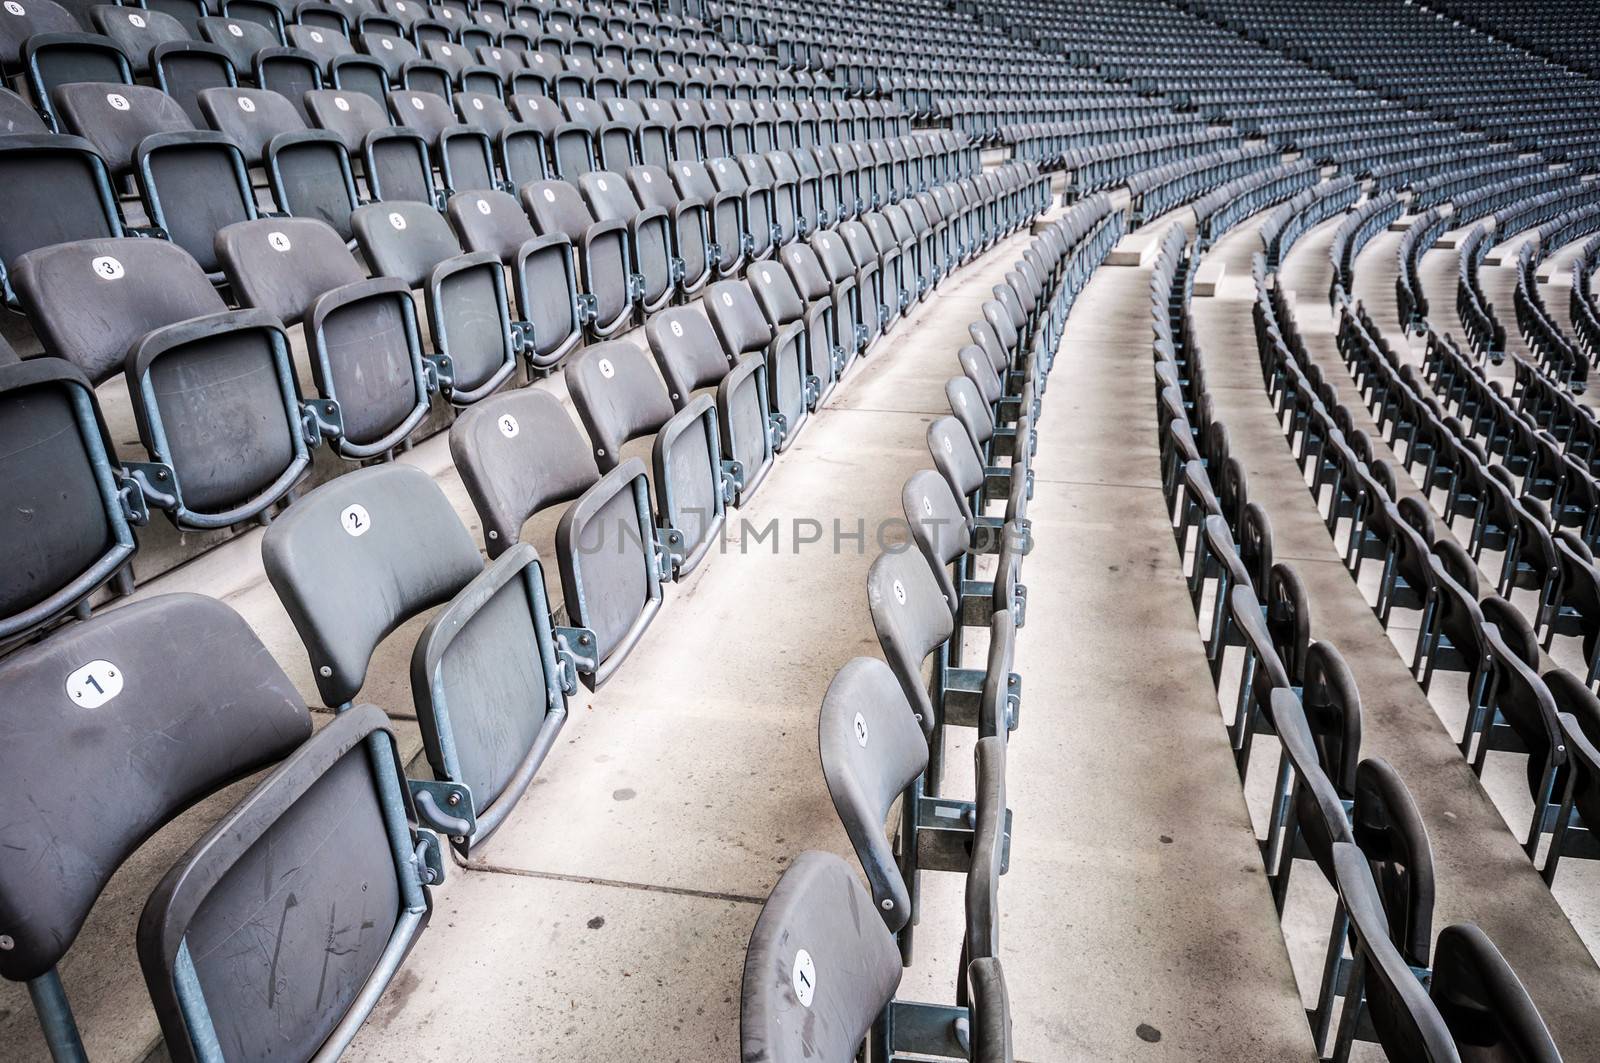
<point x="1417" y="997"/>
<point x="882" y="729"/>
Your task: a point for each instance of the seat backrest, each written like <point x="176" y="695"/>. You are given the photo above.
<point x="1319" y="810"/>
<point x="519" y="453"/>
<point x="57" y="191"/>
<point x="816" y="974"/>
<point x="608" y="196"/>
<point x="359" y="556"/>
<point x="1407" y="1024"/>
<point x="20" y="21"/>
<point x="91" y="299"/>
<point x="982" y="899"/>
<point x="912" y="619"/>
<point x="148" y="708"/>
<point x="403" y="239"/>
<point x="281" y="265"/>
<point x="1332" y="705"/>
<point x="556" y="207"/>
<point x="137" y="30"/>
<point x="686" y="350"/>
<point x="737" y="318"/>
<point x="252" y="117"/>
<point x="1483" y="1002"/>
<point x="938" y="527"/>
<point x="956" y="459"/>
<point x="115" y="118"/>
<point x="618" y="397"/>
<point x="348" y="115"/>
<point x="1389" y="829"/>
<point x="490" y="221"/>
<point x="240" y="38"/>
<point x="16" y="116"/>
<point x="427" y="113"/>
<point x="327" y="832"/>
<point x="872" y="751"/>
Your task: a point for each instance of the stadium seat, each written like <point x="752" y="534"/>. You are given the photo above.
<point x="157" y="674"/>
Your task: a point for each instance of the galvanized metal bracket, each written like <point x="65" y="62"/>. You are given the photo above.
<point x="446" y="807"/>
<point x="944" y="830"/>
<point x="577" y="650"/>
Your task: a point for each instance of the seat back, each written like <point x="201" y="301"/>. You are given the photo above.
<point x="686" y="351"/>
<point x="252" y="117"/>
<point x="405" y="240"/>
<point x="1407" y="1024"/>
<point x="57" y="191"/>
<point x="348" y="115"/>
<point x="116" y="118"/>
<point x="938" y="528"/>
<point x="957" y="461"/>
<point x="335" y="813"/>
<point x="55" y="463"/>
<point x="912" y="620"/>
<point x="736" y="316"/>
<point x="194" y="184"/>
<point x="872" y="753"/>
<point x="137" y="31"/>
<point x="816" y="974"/>
<point x="91" y="299"/>
<point x="311" y="177"/>
<point x="282" y="265"/>
<point x="519" y="453"/>
<point x="1483" y="1002"/>
<point x="1387" y="826"/>
<point x="150" y="708"/>
<point x="618" y="396"/>
<point x="1332" y="706"/>
<point x="359" y="556"/>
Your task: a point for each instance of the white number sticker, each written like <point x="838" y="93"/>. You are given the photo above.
<point x="94" y="684"/>
<point x="495" y="55"/>
<point x="354" y="520"/>
<point x="607" y="370"/>
<point x="398" y="221"/>
<point x="16" y="8"/>
<point x="341" y="103"/>
<point x="247" y="105"/>
<point x="117" y="101"/>
<point x="646" y="176"/>
<point x="508" y="426"/>
<point x="444" y="49"/>
<point x="961" y="397"/>
<point x="861" y="731"/>
<point x="948" y="446"/>
<point x="316" y="35"/>
<point x="477" y="105"/>
<point x="677" y="329"/>
<point x="766" y="277"/>
<point x="727" y="299"/>
<point x="484" y="208"/>
<point x="388" y="45"/>
<point x="237" y="31"/>
<point x="600" y="184"/>
<point x="805" y="977"/>
<point x="136" y="21"/>
<point x="927" y="506"/>
<point x="549" y="195"/>
<point x="278" y="241"/>
<point x="107" y="267"/>
<point x="899" y="592"/>
<point x="416" y="103"/>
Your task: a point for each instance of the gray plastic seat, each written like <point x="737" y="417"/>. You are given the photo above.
<point x="150" y="708"/>
<point x="337" y="815"/>
<point x="814" y="285"/>
<point x="544" y="272"/>
<point x="783" y="305"/>
<point x="469" y="314"/>
<point x="310" y="176"/>
<point x="652" y="272"/>
<point x="213" y="389"/>
<point x="724" y="213"/>
<point x="652" y="187"/>
<point x="619" y="398"/>
<point x="520" y="454"/>
<point x="193" y="184"/>
<point x="137" y="31"/>
<point x="363" y="554"/>
<point x="117" y="118"/>
<point x="819" y="979"/>
<point x="361" y="335"/>
<point x="53" y="60"/>
<point x="737" y="317"/>
<point x="913" y="622"/>
<point x="21" y="21"/>
<point x="972" y="483"/>
<point x="57" y="190"/>
<point x="949" y="542"/>
<point x="602" y="250"/>
<point x="58" y="469"/>
<point x="251" y="117"/>
<point x="858" y="282"/>
<point x="691" y="357"/>
<point x="17" y="116"/>
<point x="873" y="754"/>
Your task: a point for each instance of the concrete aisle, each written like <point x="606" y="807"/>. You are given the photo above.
<point x="1138" y="925"/>
<point x="1482" y="874"/>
